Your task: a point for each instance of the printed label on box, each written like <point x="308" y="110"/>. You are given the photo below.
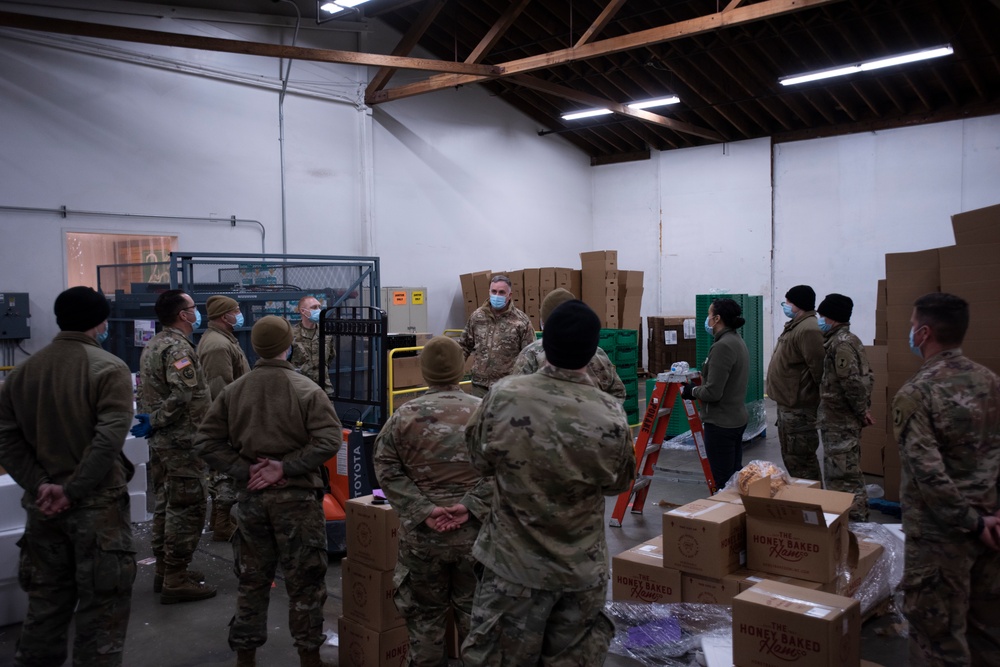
<point x="670" y="338"/>
<point x="689" y="331"/>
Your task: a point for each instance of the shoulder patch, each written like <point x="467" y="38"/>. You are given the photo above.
<point x="182" y="363"/>
<point x="844" y="359"/>
<point x="903" y="407"/>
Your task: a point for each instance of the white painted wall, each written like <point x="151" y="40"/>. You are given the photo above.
<point x="435" y="186"/>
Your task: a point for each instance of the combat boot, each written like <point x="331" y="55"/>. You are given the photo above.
<point x="180" y="586"/>
<point x="193" y="575"/>
<point x="310" y="658"/>
<point x="222" y="519"/>
<point x="246" y="657"/>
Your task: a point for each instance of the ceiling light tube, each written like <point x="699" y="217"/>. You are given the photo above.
<point x="868" y="65"/>
<point x="586" y="114"/>
<point x="658" y="102"/>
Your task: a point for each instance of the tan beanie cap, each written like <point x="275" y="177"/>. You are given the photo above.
<point x="271" y="336"/>
<point x="219" y="305"/>
<point x="442" y="361"/>
<point x="553" y="300"/>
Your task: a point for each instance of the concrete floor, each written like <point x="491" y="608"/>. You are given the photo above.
<point x="194" y="634"/>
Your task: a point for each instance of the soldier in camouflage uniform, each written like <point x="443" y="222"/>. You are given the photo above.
<point x="845" y="399"/>
<point x="599" y="368"/>
<point x="64" y="415"/>
<point x="793" y="379"/>
<point x="946" y="420"/>
<point x="173" y="398"/>
<point x="222" y="361"/>
<point x="273" y="430"/>
<point x="305" y="343"/>
<point x="557" y="445"/>
<point x="496" y="333"/>
<point x="422" y="465"/>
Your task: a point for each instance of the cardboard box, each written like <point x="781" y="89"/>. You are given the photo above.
<point x="531" y="286"/>
<point x="406" y="372"/>
<point x="604" y="260"/>
<point x="910" y="275"/>
<point x="978" y="226"/>
<point x="800" y="532"/>
<point x="468" y="287"/>
<point x="777" y="625"/>
<point x="546" y="281"/>
<point x="372" y="533"/>
<point x="368" y="596"/>
<point x="868" y="553"/>
<point x="482" y="283"/>
<point x="638" y="575"/>
<point x="363" y="647"/>
<point x="705" y="537"/>
<point x="732" y="495"/>
<point x="564" y="278"/>
<point x="706" y="590"/>
<point x="750" y="578"/>
<point x="517" y="288"/>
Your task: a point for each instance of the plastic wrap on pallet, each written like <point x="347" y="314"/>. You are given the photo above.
<point x="756" y="423"/>
<point x="887" y="573"/>
<point x="665" y="635"/>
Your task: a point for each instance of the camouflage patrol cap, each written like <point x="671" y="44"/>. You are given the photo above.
<point x="271" y="336"/>
<point x="442" y="361"/>
<point x="554" y="299"/>
<point x="571" y="335"/>
<point x="80" y="309"/>
<point x="218" y="305"/>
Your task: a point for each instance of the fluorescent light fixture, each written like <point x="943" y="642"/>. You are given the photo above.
<point x="868" y="65"/>
<point x="658" y="102"/>
<point x="337" y="6"/>
<point x="644" y="104"/>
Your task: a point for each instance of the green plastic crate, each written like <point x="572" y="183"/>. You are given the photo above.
<point x="627" y="356"/>
<point x="608" y="339"/>
<point x="627" y="373"/>
<point x="627" y="338"/>
<point x="631" y="404"/>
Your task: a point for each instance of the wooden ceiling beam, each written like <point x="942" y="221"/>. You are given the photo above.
<point x="123" y="34"/>
<point x="406" y="44"/>
<point x="701" y="24"/>
<point x="602" y="21"/>
<point x="497" y="31"/>
<point x="620" y="109"/>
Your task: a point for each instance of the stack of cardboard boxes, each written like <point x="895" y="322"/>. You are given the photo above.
<point x="372" y="633"/>
<point x="969" y="269"/>
<point x="768" y="553"/>
<point x="669" y="340"/>
<point x="615" y="295"/>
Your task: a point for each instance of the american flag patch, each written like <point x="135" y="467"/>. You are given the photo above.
<point x="183" y="363"/>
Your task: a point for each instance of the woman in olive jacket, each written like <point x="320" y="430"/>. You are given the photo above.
<point x="723" y="390"/>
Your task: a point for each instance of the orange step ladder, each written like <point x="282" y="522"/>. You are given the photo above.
<point x="651" y="436"/>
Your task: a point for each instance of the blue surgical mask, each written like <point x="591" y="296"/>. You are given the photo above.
<point x="314" y="315"/>
<point x="913" y="347"/>
<point x="708" y="327"/>
<point x="498" y="301"/>
<point x="239" y="320"/>
<point x="787" y="310"/>
<point x="197" y="319"/>
<point x="103" y="336"/>
<point x="824" y="326"/>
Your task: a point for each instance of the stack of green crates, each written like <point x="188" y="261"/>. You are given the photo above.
<point x="622" y="347"/>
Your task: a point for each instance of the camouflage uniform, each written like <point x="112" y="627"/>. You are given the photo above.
<point x="496" y="338"/>
<point x="845" y="396"/>
<point x="556" y="445"/>
<point x="222" y="361"/>
<point x="600" y="368"/>
<point x="422" y="462"/>
<point x="793" y="379"/>
<point x="173" y="392"/>
<point x="273" y="412"/>
<point x="64" y="416"/>
<point x="947" y="422"/>
<point x="305" y="354"/>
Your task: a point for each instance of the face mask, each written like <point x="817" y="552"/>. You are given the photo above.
<point x="197" y="319"/>
<point x="498" y="301"/>
<point x="314" y="315"/>
<point x="788" y="310"/>
<point x="708" y="327"/>
<point x="914" y="348"/>
<point x="103" y="336"/>
<point x="823" y="324"/>
<point x="239" y="320"/>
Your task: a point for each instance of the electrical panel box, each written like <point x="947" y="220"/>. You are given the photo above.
<point x="406" y="308"/>
<point x="14" y="316"/>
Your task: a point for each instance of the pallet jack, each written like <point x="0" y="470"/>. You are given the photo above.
<point x="652" y="432"/>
